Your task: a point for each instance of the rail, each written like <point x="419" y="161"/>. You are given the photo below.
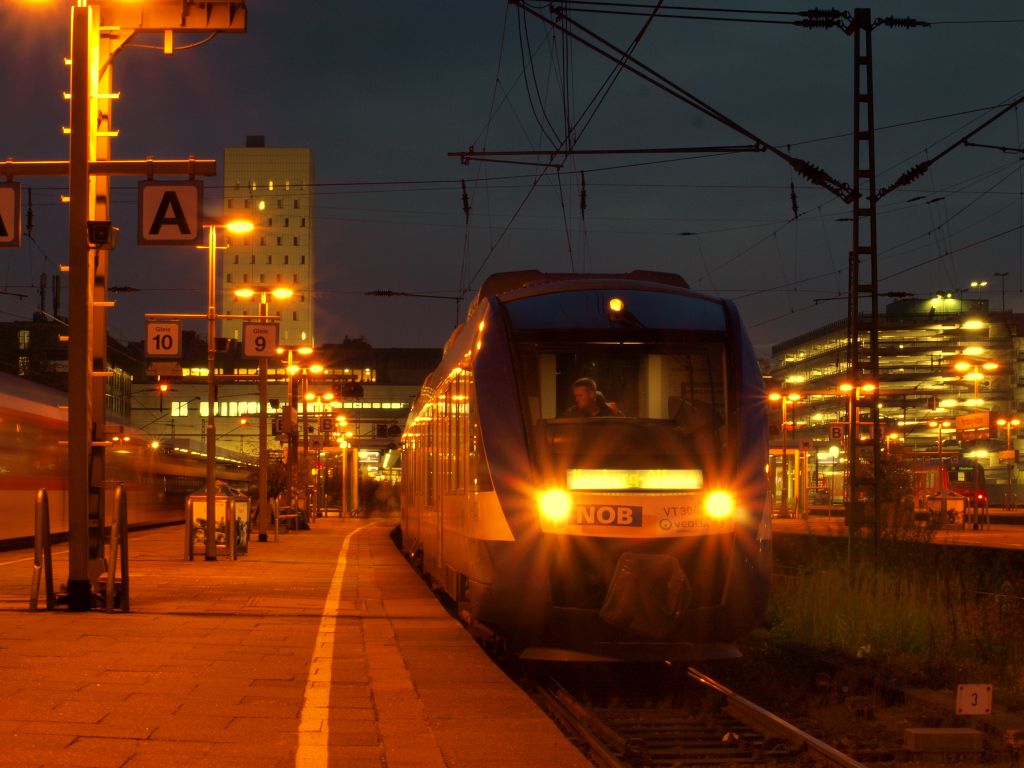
<point x="43" y="560"/>
<point x="762" y="719"/>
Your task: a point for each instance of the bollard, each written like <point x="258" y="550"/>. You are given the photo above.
<point x="43" y="559"/>
<point x="118" y="541"/>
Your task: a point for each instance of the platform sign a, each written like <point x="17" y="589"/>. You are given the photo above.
<point x="259" y="339"/>
<point x="10" y="215"/>
<point x="170" y="212"/>
<point x="163" y="338"/>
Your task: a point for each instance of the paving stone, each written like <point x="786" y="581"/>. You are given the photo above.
<point x="222" y="663"/>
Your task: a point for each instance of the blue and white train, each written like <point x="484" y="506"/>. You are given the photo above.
<point x="640" y="534"/>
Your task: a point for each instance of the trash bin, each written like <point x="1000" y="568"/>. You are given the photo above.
<point x="230" y="506"/>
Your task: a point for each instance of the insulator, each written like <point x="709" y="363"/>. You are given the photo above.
<point x="816" y="23"/>
<point x="902" y="22"/>
<point x="817" y="14"/>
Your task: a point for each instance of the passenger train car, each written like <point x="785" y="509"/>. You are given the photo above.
<point x="640" y="534"/>
<point x="33" y="455"/>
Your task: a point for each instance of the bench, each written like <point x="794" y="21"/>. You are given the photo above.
<point x="289" y="518"/>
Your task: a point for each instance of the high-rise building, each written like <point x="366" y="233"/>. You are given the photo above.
<point x="273" y="187"/>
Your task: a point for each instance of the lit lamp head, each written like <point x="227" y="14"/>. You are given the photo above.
<point x="239" y="226"/>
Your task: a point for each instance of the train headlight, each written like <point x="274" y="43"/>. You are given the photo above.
<point x="555" y="506"/>
<point x="718" y="505"/>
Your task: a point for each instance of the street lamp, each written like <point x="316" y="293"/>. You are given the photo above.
<point x="791" y="397"/>
<point x="238" y="227"/>
<point x="973" y="366"/>
<point x="1010" y="424"/>
<point x="281" y="293"/>
<point x="940" y="425"/>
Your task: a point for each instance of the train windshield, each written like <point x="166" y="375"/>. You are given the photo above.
<point x="643" y="374"/>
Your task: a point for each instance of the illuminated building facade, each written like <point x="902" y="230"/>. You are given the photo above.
<point x="273" y="187"/>
<point x="943" y="360"/>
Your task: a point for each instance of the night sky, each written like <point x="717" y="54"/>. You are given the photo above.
<point x="381" y="92"/>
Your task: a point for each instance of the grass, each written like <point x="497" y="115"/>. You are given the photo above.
<point x="928" y="615"/>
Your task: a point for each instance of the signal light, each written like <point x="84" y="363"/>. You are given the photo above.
<point x="243" y="421"/>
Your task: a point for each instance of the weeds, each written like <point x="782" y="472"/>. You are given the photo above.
<point x="928" y="614"/>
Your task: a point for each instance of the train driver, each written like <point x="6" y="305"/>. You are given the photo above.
<point x="589" y="402"/>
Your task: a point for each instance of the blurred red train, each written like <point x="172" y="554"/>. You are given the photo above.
<point x="33" y="455"/>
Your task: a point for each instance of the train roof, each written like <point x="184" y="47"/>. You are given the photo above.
<point x="503" y="282"/>
<point x="20" y="394"/>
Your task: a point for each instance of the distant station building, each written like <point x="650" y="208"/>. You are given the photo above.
<point x="273" y="188"/>
<point x="371" y="389"/>
<point x="949" y="369"/>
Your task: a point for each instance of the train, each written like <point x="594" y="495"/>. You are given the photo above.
<point x="33" y="455"/>
<point x="959" y="475"/>
<point x="585" y="473"/>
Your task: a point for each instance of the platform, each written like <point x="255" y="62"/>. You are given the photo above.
<point x="996" y="534"/>
<point x="322" y="649"/>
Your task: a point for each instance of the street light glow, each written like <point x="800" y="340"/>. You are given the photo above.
<point x="239" y="226"/>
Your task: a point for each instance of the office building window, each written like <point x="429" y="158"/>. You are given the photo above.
<point x="231" y="203"/>
<point x="295" y="241"/>
<point x="24" y="337"/>
<point x="229" y="277"/>
<point x="286" y="258"/>
<point x="279" y="239"/>
<point x="302" y="259"/>
<point x="270" y="259"/>
<point x="252" y="258"/>
<point x="236" y="258"/>
<point x="303" y="223"/>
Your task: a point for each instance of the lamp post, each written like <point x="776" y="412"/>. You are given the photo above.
<point x="318" y="402"/>
<point x="973" y="367"/>
<point x="1002" y="285"/>
<point x="940" y="425"/>
<point x="292" y="369"/>
<point x="279" y="292"/>
<point x="236" y="227"/>
<point x="1010" y="424"/>
<point x="791" y="397"/>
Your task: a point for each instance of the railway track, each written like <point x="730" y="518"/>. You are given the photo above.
<point x="712" y="726"/>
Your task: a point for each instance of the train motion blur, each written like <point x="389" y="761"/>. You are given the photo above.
<point x="641" y="532"/>
<point x="33" y="455"/>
